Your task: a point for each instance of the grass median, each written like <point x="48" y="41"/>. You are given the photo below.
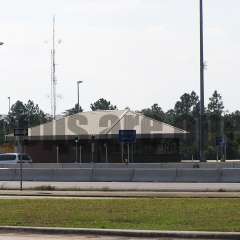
<point x="157" y="214"/>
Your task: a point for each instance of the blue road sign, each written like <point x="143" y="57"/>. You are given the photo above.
<point x="220" y="141"/>
<point x="20" y="132"/>
<point x="127" y="136"/>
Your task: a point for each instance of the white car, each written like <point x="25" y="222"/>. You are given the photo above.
<point x="7" y="158"/>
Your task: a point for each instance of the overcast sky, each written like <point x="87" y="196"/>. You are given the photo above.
<point x="132" y="52"/>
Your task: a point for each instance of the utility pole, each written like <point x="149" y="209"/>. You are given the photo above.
<point x="53" y="75"/>
<point x="202" y="110"/>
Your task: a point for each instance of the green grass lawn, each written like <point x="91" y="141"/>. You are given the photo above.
<point x="158" y="214"/>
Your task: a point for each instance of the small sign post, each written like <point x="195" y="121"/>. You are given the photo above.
<point x="18" y="133"/>
<point x="76" y="149"/>
<point x="92" y="148"/>
<point x="222" y="143"/>
<point x="127" y="137"/>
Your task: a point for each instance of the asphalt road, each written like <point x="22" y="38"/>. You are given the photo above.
<point x="130" y="186"/>
<point x="20" y="236"/>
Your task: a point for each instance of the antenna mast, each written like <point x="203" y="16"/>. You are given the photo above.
<point x="53" y="75"/>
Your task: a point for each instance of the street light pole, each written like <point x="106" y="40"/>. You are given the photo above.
<point x="202" y="110"/>
<point x="78" y="82"/>
<point x="9" y="104"/>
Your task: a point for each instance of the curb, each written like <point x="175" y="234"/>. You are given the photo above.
<point x="126" y="195"/>
<point x="122" y="233"/>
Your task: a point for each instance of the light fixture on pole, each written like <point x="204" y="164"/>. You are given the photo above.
<point x="78" y="107"/>
<point x="202" y="110"/>
<point x="1" y="43"/>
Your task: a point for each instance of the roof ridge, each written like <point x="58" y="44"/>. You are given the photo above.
<point x="121" y="117"/>
<point x="74" y="115"/>
<point x="141" y="114"/>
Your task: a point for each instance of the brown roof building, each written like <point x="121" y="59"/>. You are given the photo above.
<point x="95" y="137"/>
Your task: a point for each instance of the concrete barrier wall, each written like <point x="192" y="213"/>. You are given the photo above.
<point x="198" y="175"/>
<point x="73" y="175"/>
<point x="58" y="175"/>
<point x="8" y="174"/>
<point x="40" y="174"/>
<point x="154" y="175"/>
<point x="122" y="174"/>
<point x="112" y="175"/>
<point x="187" y="165"/>
<point x="230" y="175"/>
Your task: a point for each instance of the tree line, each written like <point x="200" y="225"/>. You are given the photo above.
<point x="218" y="123"/>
